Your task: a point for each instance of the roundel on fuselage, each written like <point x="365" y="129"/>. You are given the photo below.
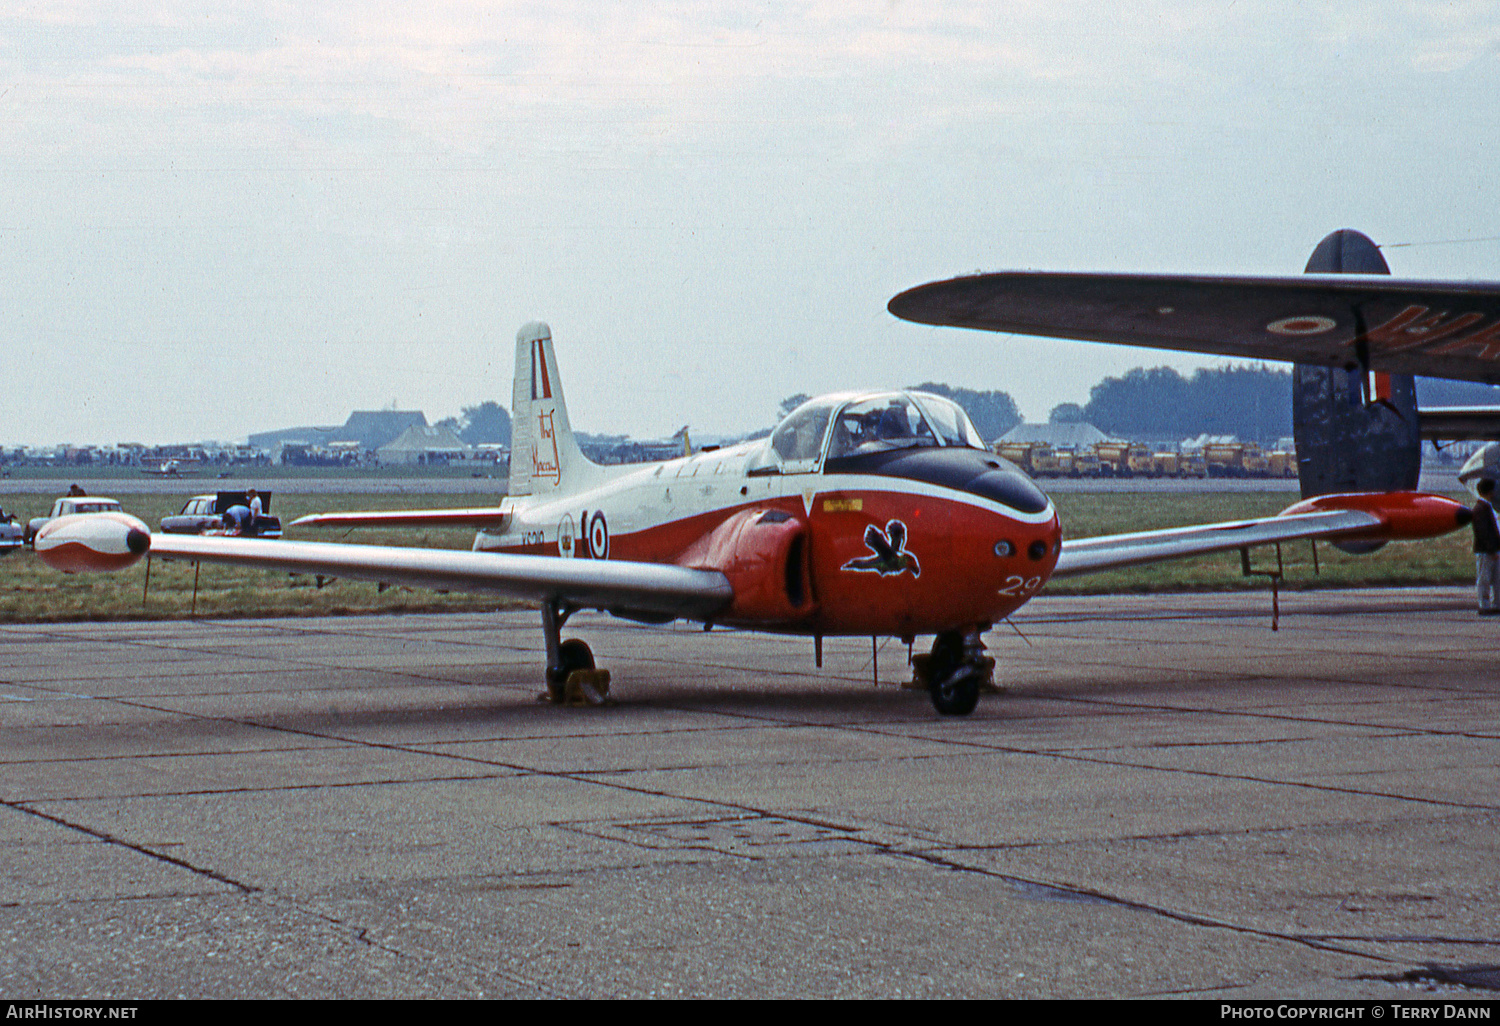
<point x="599" y="536"/>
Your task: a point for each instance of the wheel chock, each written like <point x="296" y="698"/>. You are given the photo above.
<point x="987" y="685"/>
<point x="919" y="681"/>
<point x="587" y="688"/>
<point x="582" y="688"/>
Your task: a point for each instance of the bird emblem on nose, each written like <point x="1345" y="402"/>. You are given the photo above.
<point x="888" y="553"/>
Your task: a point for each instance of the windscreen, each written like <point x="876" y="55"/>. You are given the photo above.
<point x="800" y="436"/>
<point x="950" y="420"/>
<point x="878" y="425"/>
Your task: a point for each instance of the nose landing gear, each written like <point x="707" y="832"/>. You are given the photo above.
<point x="954" y="672"/>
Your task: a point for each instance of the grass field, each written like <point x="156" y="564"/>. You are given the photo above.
<point x="30" y="592"/>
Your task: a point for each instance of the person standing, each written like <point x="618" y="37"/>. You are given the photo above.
<point x="1486" y="550"/>
<point x="253" y="526"/>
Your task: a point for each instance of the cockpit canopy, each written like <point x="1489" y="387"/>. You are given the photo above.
<point x="917" y="436"/>
<point x="857" y="425"/>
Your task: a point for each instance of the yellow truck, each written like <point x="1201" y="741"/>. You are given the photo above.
<point x="1282" y="463"/>
<point x="1225" y="459"/>
<point x="1086" y="464"/>
<point x="1114" y="458"/>
<point x="1142" y="462"/>
<point x="1049" y="462"/>
<point x="1191" y="464"/>
<point x="1018" y="453"/>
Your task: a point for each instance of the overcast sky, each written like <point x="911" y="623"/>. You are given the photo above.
<point x="224" y="217"/>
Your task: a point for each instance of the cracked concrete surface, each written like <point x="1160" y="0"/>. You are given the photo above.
<point x="1172" y="799"/>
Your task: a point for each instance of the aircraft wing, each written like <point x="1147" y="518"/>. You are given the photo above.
<point x="1110" y="552"/>
<point x="1438" y="329"/>
<point x="484" y="516"/>
<point x="616" y="585"/>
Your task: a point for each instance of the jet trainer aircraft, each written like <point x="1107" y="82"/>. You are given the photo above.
<point x="878" y="514"/>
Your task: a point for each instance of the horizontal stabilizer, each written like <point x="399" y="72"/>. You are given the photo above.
<point x="491" y="517"/>
<point x="1459" y="423"/>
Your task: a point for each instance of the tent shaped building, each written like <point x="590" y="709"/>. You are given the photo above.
<point x="1076" y="435"/>
<point x="420" y="444"/>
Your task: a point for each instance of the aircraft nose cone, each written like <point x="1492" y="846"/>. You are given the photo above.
<point x="1011" y="488"/>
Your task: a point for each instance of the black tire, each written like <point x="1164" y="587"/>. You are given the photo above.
<point x="573" y="654"/>
<point x="956" y="698"/>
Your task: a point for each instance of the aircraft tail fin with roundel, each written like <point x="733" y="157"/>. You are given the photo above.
<point x="544" y="456"/>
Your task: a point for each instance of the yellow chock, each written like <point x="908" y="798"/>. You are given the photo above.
<point x="987" y="685"/>
<point x="918" y="680"/>
<point x="586" y="688"/>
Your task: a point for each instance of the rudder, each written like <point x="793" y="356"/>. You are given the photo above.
<point x="544" y="457"/>
<point x="1353" y="434"/>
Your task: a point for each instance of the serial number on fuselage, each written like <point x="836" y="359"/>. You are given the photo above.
<point x="1016" y="585"/>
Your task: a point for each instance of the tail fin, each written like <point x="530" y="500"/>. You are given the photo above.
<point x="544" y="458"/>
<point x="1354" y="434"/>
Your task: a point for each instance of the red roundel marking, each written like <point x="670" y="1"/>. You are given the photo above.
<point x="598" y="537"/>
<point x="1308" y="325"/>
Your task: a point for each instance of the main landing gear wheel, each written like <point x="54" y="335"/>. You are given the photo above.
<point x="575" y="681"/>
<point x="572" y="678"/>
<point x="572" y="654"/>
<point x="955" y="671"/>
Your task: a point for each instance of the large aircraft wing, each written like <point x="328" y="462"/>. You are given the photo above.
<point x="484" y="516"/>
<point x="1439" y="329"/>
<point x="1110" y="552"/>
<point x="616" y="585"/>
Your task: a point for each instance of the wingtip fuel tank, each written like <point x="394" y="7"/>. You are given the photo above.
<point x="1404" y="516"/>
<point x="93" y="542"/>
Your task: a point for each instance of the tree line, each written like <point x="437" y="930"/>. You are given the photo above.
<point x="1159" y="403"/>
<point x="1252" y="402"/>
<point x="485" y="424"/>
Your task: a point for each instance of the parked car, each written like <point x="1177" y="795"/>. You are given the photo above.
<point x="204" y="514"/>
<point x="67" y="506"/>
<point x="11" y="533"/>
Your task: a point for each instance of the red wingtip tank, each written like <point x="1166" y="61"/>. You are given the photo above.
<point x="1404" y="516"/>
<point x="92" y="542"/>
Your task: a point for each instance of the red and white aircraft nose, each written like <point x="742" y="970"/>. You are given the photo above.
<point x="88" y="542"/>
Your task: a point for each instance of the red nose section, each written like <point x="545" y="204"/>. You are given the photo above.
<point x="92" y="542"/>
<point x="1405" y="516"/>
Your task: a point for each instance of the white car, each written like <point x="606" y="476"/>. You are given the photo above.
<point x="10" y="533"/>
<point x="68" y="505"/>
